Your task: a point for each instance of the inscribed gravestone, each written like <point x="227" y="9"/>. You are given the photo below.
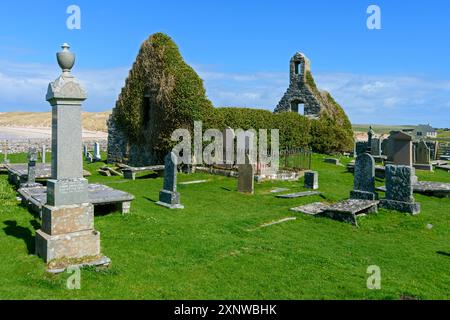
<point x="169" y="197"/>
<point x="364" y="180"/>
<point x="399" y="189"/>
<point x="423" y="153"/>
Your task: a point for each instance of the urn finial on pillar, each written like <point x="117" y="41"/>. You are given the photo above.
<point x="66" y="59"/>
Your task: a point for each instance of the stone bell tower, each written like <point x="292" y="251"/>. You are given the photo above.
<point x="300" y="97"/>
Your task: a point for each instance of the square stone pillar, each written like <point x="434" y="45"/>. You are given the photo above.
<point x="68" y="218"/>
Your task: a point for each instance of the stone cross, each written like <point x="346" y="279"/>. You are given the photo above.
<point x="364" y="181"/>
<point x="312" y="180"/>
<point x="97" y="155"/>
<point x="169" y="197"/>
<point x="246" y="179"/>
<point x="399" y="189"/>
<point x="68" y="218"/>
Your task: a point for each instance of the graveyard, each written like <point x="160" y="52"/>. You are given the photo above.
<point x="173" y="192"/>
<point x="218" y="249"/>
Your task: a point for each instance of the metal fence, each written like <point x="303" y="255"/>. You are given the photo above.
<point x="295" y="159"/>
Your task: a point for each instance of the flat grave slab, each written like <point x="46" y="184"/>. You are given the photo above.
<point x="18" y="172"/>
<point x="311" y="208"/>
<point x="443" y="167"/>
<point x="98" y="194"/>
<point x="130" y="172"/>
<point x="429" y="188"/>
<point x="349" y="210"/>
<point x="278" y="190"/>
<point x="192" y="182"/>
<point x="298" y="195"/>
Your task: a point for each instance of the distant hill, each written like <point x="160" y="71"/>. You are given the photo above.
<point x="380" y="128"/>
<point x="92" y="121"/>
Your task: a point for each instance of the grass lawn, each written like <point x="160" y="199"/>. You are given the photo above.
<point x="213" y="249"/>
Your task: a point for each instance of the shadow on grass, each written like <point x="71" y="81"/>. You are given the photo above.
<point x="14" y="230"/>
<point x="151" y="200"/>
<point x="442" y="253"/>
<point x="149" y="176"/>
<point x="226" y="189"/>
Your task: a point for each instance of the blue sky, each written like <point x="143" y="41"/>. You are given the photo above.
<point x="397" y="75"/>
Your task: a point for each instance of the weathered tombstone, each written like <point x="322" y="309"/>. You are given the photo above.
<point x="169" y="197"/>
<point x="5" y="152"/>
<point x="364" y="181"/>
<point x="97" y="155"/>
<point x="85" y="151"/>
<point x="360" y="147"/>
<point x="43" y="153"/>
<point x="376" y="147"/>
<point x="399" y="189"/>
<point x="31" y="177"/>
<point x="68" y="217"/>
<point x="388" y="150"/>
<point x="246" y="173"/>
<point x="90" y="157"/>
<point x="403" y="151"/>
<point x="423" y="157"/>
<point x="312" y="180"/>
<point x="228" y="147"/>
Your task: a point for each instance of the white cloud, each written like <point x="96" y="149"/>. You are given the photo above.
<point x="365" y="98"/>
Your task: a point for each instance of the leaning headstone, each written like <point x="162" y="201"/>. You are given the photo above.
<point x="68" y="217"/>
<point x="403" y="150"/>
<point x="364" y="181"/>
<point x="399" y="189"/>
<point x="169" y="197"/>
<point x="312" y="180"/>
<point x="43" y="153"/>
<point x="90" y="157"/>
<point x="97" y="155"/>
<point x="31" y="176"/>
<point x="246" y="179"/>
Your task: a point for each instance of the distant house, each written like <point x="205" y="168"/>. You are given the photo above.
<point x="424" y="131"/>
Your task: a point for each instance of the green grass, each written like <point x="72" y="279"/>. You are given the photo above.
<point x="206" y="251"/>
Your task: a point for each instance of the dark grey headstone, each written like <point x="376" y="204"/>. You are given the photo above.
<point x="360" y="147"/>
<point x="312" y="180"/>
<point x="364" y="182"/>
<point x="423" y="153"/>
<point x="169" y="197"/>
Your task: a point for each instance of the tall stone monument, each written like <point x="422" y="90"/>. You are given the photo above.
<point x="399" y="189"/>
<point x="68" y="217"/>
<point x="364" y="181"/>
<point x="169" y="197"/>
